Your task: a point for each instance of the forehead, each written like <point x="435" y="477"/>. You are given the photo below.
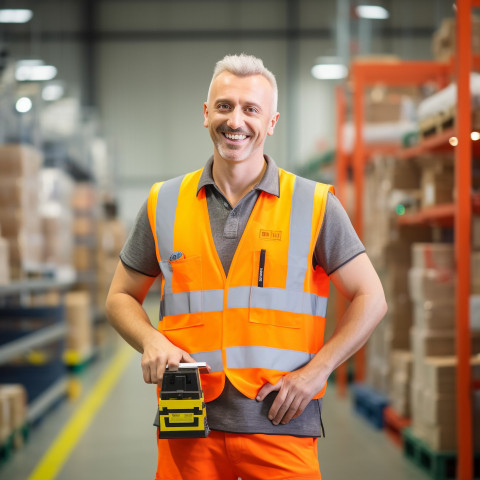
<point x="254" y="87"/>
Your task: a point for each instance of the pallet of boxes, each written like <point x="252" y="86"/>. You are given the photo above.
<point x="433" y="389"/>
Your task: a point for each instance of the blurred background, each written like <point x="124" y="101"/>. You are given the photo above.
<point x="100" y="99"/>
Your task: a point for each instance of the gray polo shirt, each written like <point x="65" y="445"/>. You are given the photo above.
<point x="336" y="245"/>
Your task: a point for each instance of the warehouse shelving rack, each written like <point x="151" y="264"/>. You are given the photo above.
<point x="43" y="336"/>
<point x="459" y="213"/>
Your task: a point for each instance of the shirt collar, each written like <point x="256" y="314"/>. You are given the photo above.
<point x="269" y="183"/>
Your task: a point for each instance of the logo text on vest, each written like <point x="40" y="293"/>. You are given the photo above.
<point x="271" y="234"/>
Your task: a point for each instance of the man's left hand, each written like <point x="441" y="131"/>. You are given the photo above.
<point x="295" y="391"/>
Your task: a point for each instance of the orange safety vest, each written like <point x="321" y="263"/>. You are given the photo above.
<point x="267" y="317"/>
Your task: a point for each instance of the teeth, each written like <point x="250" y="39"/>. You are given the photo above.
<point x="235" y="137"/>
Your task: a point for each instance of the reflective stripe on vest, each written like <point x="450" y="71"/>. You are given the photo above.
<point x="266" y="357"/>
<point x="243" y="297"/>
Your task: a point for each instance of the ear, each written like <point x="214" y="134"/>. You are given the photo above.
<point x="273" y="122"/>
<point x="205" y="115"/>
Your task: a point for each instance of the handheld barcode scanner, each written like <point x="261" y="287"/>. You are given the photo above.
<point x="181" y="406"/>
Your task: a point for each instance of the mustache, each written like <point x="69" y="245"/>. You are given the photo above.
<point x="236" y="131"/>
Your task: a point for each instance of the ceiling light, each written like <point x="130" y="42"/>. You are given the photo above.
<point x="35" y="73"/>
<point x="373" y="12"/>
<point x="329" y="71"/>
<point x="16" y="15"/>
<point x="23" y="105"/>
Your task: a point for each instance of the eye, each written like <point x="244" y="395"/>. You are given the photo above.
<point x="251" y="109"/>
<point x="223" y="106"/>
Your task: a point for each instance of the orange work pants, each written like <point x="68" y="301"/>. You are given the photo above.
<point x="228" y="456"/>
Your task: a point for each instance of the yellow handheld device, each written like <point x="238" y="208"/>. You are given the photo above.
<point x="181" y="406"/>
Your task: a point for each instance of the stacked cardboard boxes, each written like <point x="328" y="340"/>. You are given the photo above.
<point x="437" y="183"/>
<point x="444" y="39"/>
<point x="19" y="215"/>
<point x="56" y="216"/>
<point x="79" y="341"/>
<point x="432" y="290"/>
<point x="85" y="227"/>
<point x="393" y="187"/>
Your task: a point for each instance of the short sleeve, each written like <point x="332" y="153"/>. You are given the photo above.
<point x="138" y="253"/>
<point x="337" y="242"/>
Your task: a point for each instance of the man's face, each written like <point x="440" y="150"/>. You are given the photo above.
<point x="239" y="115"/>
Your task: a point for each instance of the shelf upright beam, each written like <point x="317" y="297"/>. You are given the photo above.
<point x="463" y="218"/>
<point x="341" y="193"/>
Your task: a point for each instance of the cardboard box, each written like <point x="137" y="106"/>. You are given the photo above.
<point x="431" y="284"/>
<point x="19" y="192"/>
<point x="433" y="256"/>
<point x="436" y="343"/>
<point x="475" y="312"/>
<point x="435" y="315"/>
<point x="440" y="373"/>
<point x="19" y="160"/>
<point x="444" y="39"/>
<point x="79" y="322"/>
<point x="475" y="273"/>
<point x="476" y="232"/>
<point x="437" y="185"/>
<point x="4" y="262"/>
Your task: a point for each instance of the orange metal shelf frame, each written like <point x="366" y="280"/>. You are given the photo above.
<point x="416" y="73"/>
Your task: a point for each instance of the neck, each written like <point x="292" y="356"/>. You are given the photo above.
<point x="236" y="179"/>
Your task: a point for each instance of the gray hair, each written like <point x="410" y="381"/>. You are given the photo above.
<point x="243" y="66"/>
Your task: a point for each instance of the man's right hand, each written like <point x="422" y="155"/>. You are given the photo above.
<point x="158" y="352"/>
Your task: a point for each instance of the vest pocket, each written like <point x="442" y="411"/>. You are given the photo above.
<point x="182" y="302"/>
<point x="271" y="305"/>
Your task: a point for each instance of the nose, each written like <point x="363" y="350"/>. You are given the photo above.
<point x="235" y="119"/>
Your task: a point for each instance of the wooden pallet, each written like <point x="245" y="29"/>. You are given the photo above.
<point x="438" y="465"/>
<point x="394" y="424"/>
<point x="445" y="120"/>
<point x="369" y="403"/>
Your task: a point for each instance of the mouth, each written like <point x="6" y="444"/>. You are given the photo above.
<point x="235" y="137"/>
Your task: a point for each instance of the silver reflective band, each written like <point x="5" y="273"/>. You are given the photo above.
<point x="166" y="206"/>
<point x="277" y="299"/>
<point x="192" y="302"/>
<point x="300" y="232"/>
<point x="213" y="358"/>
<point x="267" y="357"/>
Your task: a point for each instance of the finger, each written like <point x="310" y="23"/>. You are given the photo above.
<point x="159" y="370"/>
<point x="187" y="358"/>
<point x="291" y="412"/>
<point x="281" y="410"/>
<point x="146" y="374"/>
<point x="268" y="388"/>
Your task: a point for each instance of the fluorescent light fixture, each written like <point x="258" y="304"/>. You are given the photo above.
<point x="35" y="73"/>
<point x="373" y="12"/>
<point x="15" y="15"/>
<point x="52" y="92"/>
<point x="329" y="71"/>
<point x="23" y="105"/>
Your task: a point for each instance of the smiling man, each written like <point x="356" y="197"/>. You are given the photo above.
<point x="245" y="252"/>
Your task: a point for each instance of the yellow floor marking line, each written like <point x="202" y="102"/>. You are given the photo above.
<point x="56" y="456"/>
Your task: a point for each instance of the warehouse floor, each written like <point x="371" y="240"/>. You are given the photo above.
<point x="107" y="432"/>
